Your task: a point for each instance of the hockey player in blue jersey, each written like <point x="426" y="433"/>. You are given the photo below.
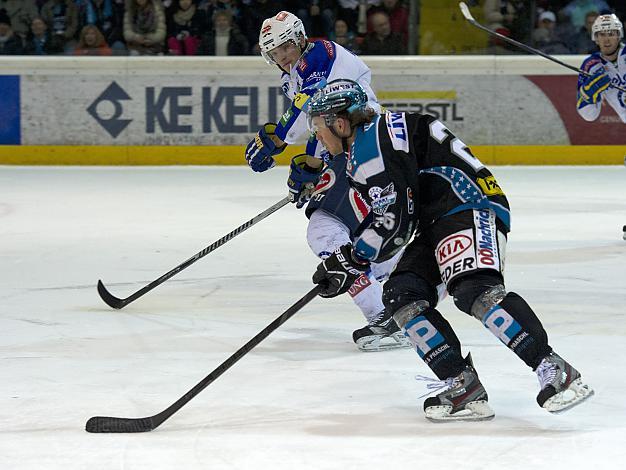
<point x="606" y="67"/>
<point x="334" y="211"/>
<point x="430" y="194"/>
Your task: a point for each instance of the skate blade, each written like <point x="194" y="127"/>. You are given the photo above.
<point x="474" y="411"/>
<point x="576" y="393"/>
<point x="376" y="343"/>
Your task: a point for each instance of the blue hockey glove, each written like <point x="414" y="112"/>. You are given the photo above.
<point x="593" y="87"/>
<point x="302" y="180"/>
<point x="339" y="271"/>
<point x="262" y="148"/>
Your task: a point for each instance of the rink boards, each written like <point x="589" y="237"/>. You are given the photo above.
<point x="121" y="111"/>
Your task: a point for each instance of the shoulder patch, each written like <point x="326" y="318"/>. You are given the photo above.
<point x="398" y="133"/>
<point x="330" y="48"/>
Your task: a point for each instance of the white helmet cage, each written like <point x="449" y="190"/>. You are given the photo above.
<point x="605" y="23"/>
<point x="277" y="30"/>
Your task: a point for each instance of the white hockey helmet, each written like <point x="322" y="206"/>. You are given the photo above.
<point x="277" y="30"/>
<point x="607" y="23"/>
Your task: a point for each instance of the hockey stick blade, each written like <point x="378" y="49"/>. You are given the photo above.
<point x="110" y="424"/>
<point x="104" y="424"/>
<point x="109" y="298"/>
<point x="118" y="303"/>
<point x="468" y="16"/>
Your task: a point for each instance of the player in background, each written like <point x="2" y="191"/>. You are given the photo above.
<point x="335" y="211"/>
<point x="606" y="66"/>
<point x="421" y="180"/>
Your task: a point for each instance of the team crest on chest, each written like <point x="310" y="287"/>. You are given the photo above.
<point x="382" y="198"/>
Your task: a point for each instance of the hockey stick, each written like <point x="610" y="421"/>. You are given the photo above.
<point x="468" y="16"/>
<point x="105" y="424"/>
<point x="118" y="303"/>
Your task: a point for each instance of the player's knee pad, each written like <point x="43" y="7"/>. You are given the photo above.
<point x="408" y="289"/>
<point x="475" y="295"/>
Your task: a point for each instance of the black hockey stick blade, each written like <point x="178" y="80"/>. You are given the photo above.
<point x="110" y="424"/>
<point x="468" y="16"/>
<point x="104" y="424"/>
<point x="109" y="299"/>
<point x="118" y="303"/>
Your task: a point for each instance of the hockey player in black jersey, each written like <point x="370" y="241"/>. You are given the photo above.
<point x="428" y="192"/>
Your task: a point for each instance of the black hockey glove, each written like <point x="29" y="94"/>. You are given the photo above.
<point x="338" y="272"/>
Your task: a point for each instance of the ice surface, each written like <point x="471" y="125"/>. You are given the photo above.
<point x="305" y="398"/>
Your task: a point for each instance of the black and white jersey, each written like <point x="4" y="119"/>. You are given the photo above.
<point x="413" y="171"/>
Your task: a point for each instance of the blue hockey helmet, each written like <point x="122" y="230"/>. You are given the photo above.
<point x="337" y="96"/>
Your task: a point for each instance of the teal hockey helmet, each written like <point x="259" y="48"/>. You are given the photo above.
<point x="337" y="96"/>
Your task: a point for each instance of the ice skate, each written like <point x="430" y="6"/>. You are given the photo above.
<point x="381" y="334"/>
<point x="561" y="385"/>
<point x="465" y="399"/>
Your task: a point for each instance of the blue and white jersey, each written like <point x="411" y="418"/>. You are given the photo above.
<point x="323" y="60"/>
<point x="617" y="73"/>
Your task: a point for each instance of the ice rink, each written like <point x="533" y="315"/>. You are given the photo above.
<point x="305" y="398"/>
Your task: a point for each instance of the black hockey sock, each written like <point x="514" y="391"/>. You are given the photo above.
<point x="436" y="343"/>
<point x="516" y="325"/>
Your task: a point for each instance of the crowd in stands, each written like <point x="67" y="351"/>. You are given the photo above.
<point x="231" y="27"/>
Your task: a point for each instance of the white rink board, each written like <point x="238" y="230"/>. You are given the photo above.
<point x="304" y="398"/>
<point x="205" y="101"/>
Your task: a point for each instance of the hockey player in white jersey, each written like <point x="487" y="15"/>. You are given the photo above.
<point x="606" y="67"/>
<point x="335" y="211"/>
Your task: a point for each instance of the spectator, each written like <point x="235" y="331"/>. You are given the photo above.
<point x="576" y="10"/>
<point x="398" y="17"/>
<point x="507" y="17"/>
<point x="348" y="10"/>
<point x="108" y="16"/>
<point x="92" y="42"/>
<point x="40" y="41"/>
<point x="21" y="13"/>
<point x="225" y="38"/>
<point x="232" y="6"/>
<point x="254" y="15"/>
<point x="582" y="42"/>
<point x="382" y="41"/>
<point x="10" y="44"/>
<point x="61" y="17"/>
<point x="144" y="27"/>
<point x="545" y="37"/>
<point x="343" y="36"/>
<point x="185" y="28"/>
<point x="316" y="15"/>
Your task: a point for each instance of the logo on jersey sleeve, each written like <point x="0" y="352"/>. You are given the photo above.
<point x="398" y="133"/>
<point x="330" y="50"/>
<point x="326" y="181"/>
<point x="359" y="206"/>
<point x="382" y="198"/>
<point x="490" y="186"/>
<point x="300" y="100"/>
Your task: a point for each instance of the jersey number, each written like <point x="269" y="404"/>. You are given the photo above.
<point x="439" y="132"/>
